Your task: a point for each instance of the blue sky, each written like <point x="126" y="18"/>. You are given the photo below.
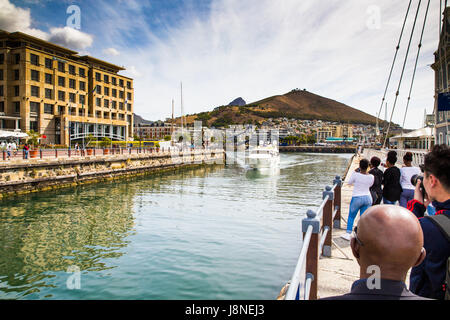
<point x="223" y="49"/>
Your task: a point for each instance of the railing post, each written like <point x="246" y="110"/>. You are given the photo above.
<point x="68" y="152"/>
<point x="40" y="153"/>
<point x="337" y="202"/>
<point x="312" y="256"/>
<point x="56" y="153"/>
<point x="327" y="220"/>
<point x="4" y="155"/>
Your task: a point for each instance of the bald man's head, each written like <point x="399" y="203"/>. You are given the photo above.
<point x="391" y="238"/>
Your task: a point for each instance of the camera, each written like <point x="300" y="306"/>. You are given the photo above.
<point x="414" y="180"/>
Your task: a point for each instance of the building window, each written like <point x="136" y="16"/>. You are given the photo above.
<point x="61" y="96"/>
<point x="34" y="126"/>
<point x="35" y="91"/>
<point x="98" y="102"/>
<point x="121" y="105"/>
<point x="34" y="59"/>
<point x="121" y="94"/>
<point x="121" y="82"/>
<point x="16" y="106"/>
<point x="128" y="107"/>
<point x="129" y="95"/>
<point x="82" y="86"/>
<point x="72" y="83"/>
<point x="129" y="84"/>
<point x="2" y="106"/>
<point x="82" y="72"/>
<point x="34" y="107"/>
<point x="113" y="81"/>
<point x="48" y="63"/>
<point x="61" y="81"/>
<point x="48" y="78"/>
<point x="48" y="93"/>
<point x="98" y="76"/>
<point x="61" y="66"/>
<point x="48" y="108"/>
<point x="106" y="103"/>
<point x="16" y="74"/>
<point x="82" y="99"/>
<point x="114" y="104"/>
<point x="99" y="89"/>
<point x="1" y="74"/>
<point x="72" y="97"/>
<point x="17" y="58"/>
<point x="1" y="91"/>
<point x="106" y="91"/>
<point x="106" y="78"/>
<point x="114" y="93"/>
<point x="72" y="70"/>
<point x="2" y="58"/>
<point x="34" y="75"/>
<point x="16" y="91"/>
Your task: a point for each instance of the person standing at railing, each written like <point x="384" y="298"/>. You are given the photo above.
<point x="406" y="172"/>
<point x="361" y="197"/>
<point x="387" y="243"/>
<point x="26" y="149"/>
<point x="375" y="190"/>
<point x="392" y="188"/>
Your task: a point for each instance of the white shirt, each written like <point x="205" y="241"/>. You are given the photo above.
<point x="362" y="184"/>
<point x="406" y="174"/>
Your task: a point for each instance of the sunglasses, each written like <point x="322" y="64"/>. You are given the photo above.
<point x="355" y="235"/>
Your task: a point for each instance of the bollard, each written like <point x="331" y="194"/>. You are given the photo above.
<point x="56" y="153"/>
<point x="40" y="153"/>
<point x="69" y="152"/>
<point x="337" y="202"/>
<point x="327" y="220"/>
<point x="312" y="256"/>
<point x="4" y="155"/>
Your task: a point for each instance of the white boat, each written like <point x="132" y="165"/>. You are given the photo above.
<point x="264" y="157"/>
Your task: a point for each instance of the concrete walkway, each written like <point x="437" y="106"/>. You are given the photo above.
<point x="338" y="272"/>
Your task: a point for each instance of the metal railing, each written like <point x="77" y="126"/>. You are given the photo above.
<point x="418" y="155"/>
<point x="94" y="152"/>
<point x="317" y="230"/>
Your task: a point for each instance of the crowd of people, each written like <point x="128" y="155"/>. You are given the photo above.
<point x="404" y="223"/>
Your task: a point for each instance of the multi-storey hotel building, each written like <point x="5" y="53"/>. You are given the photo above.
<point x="60" y="94"/>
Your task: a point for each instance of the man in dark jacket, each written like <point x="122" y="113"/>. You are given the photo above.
<point x="428" y="278"/>
<point x="375" y="190"/>
<point x="387" y="243"/>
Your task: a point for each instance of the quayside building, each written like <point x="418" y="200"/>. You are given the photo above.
<point x="60" y="94"/>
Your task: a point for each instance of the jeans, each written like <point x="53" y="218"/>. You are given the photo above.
<point x="386" y="201"/>
<point x="407" y="194"/>
<point x="361" y="204"/>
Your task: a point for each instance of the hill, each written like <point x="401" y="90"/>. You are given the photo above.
<point x="297" y="104"/>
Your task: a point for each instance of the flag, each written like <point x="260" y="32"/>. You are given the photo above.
<point x="444" y="101"/>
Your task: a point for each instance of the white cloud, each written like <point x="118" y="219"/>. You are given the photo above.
<point x="111" y="52"/>
<point x="71" y="38"/>
<point x="14" y="19"/>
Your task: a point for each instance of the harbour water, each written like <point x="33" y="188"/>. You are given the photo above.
<point x="217" y="232"/>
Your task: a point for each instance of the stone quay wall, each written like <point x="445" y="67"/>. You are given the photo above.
<point x="45" y="174"/>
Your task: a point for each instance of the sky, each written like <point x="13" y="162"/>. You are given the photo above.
<point x="224" y="49"/>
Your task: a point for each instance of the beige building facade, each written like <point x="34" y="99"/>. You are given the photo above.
<point x="63" y="96"/>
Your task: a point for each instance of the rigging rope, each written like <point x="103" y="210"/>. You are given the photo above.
<point x="403" y="70"/>
<point x="393" y="62"/>
<point x="415" y="65"/>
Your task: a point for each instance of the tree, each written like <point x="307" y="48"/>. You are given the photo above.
<point x="33" y="138"/>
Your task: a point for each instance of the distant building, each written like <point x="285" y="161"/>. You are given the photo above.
<point x="418" y="139"/>
<point x="334" y="131"/>
<point x="59" y="94"/>
<point x="441" y="69"/>
<point x="156" y="130"/>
